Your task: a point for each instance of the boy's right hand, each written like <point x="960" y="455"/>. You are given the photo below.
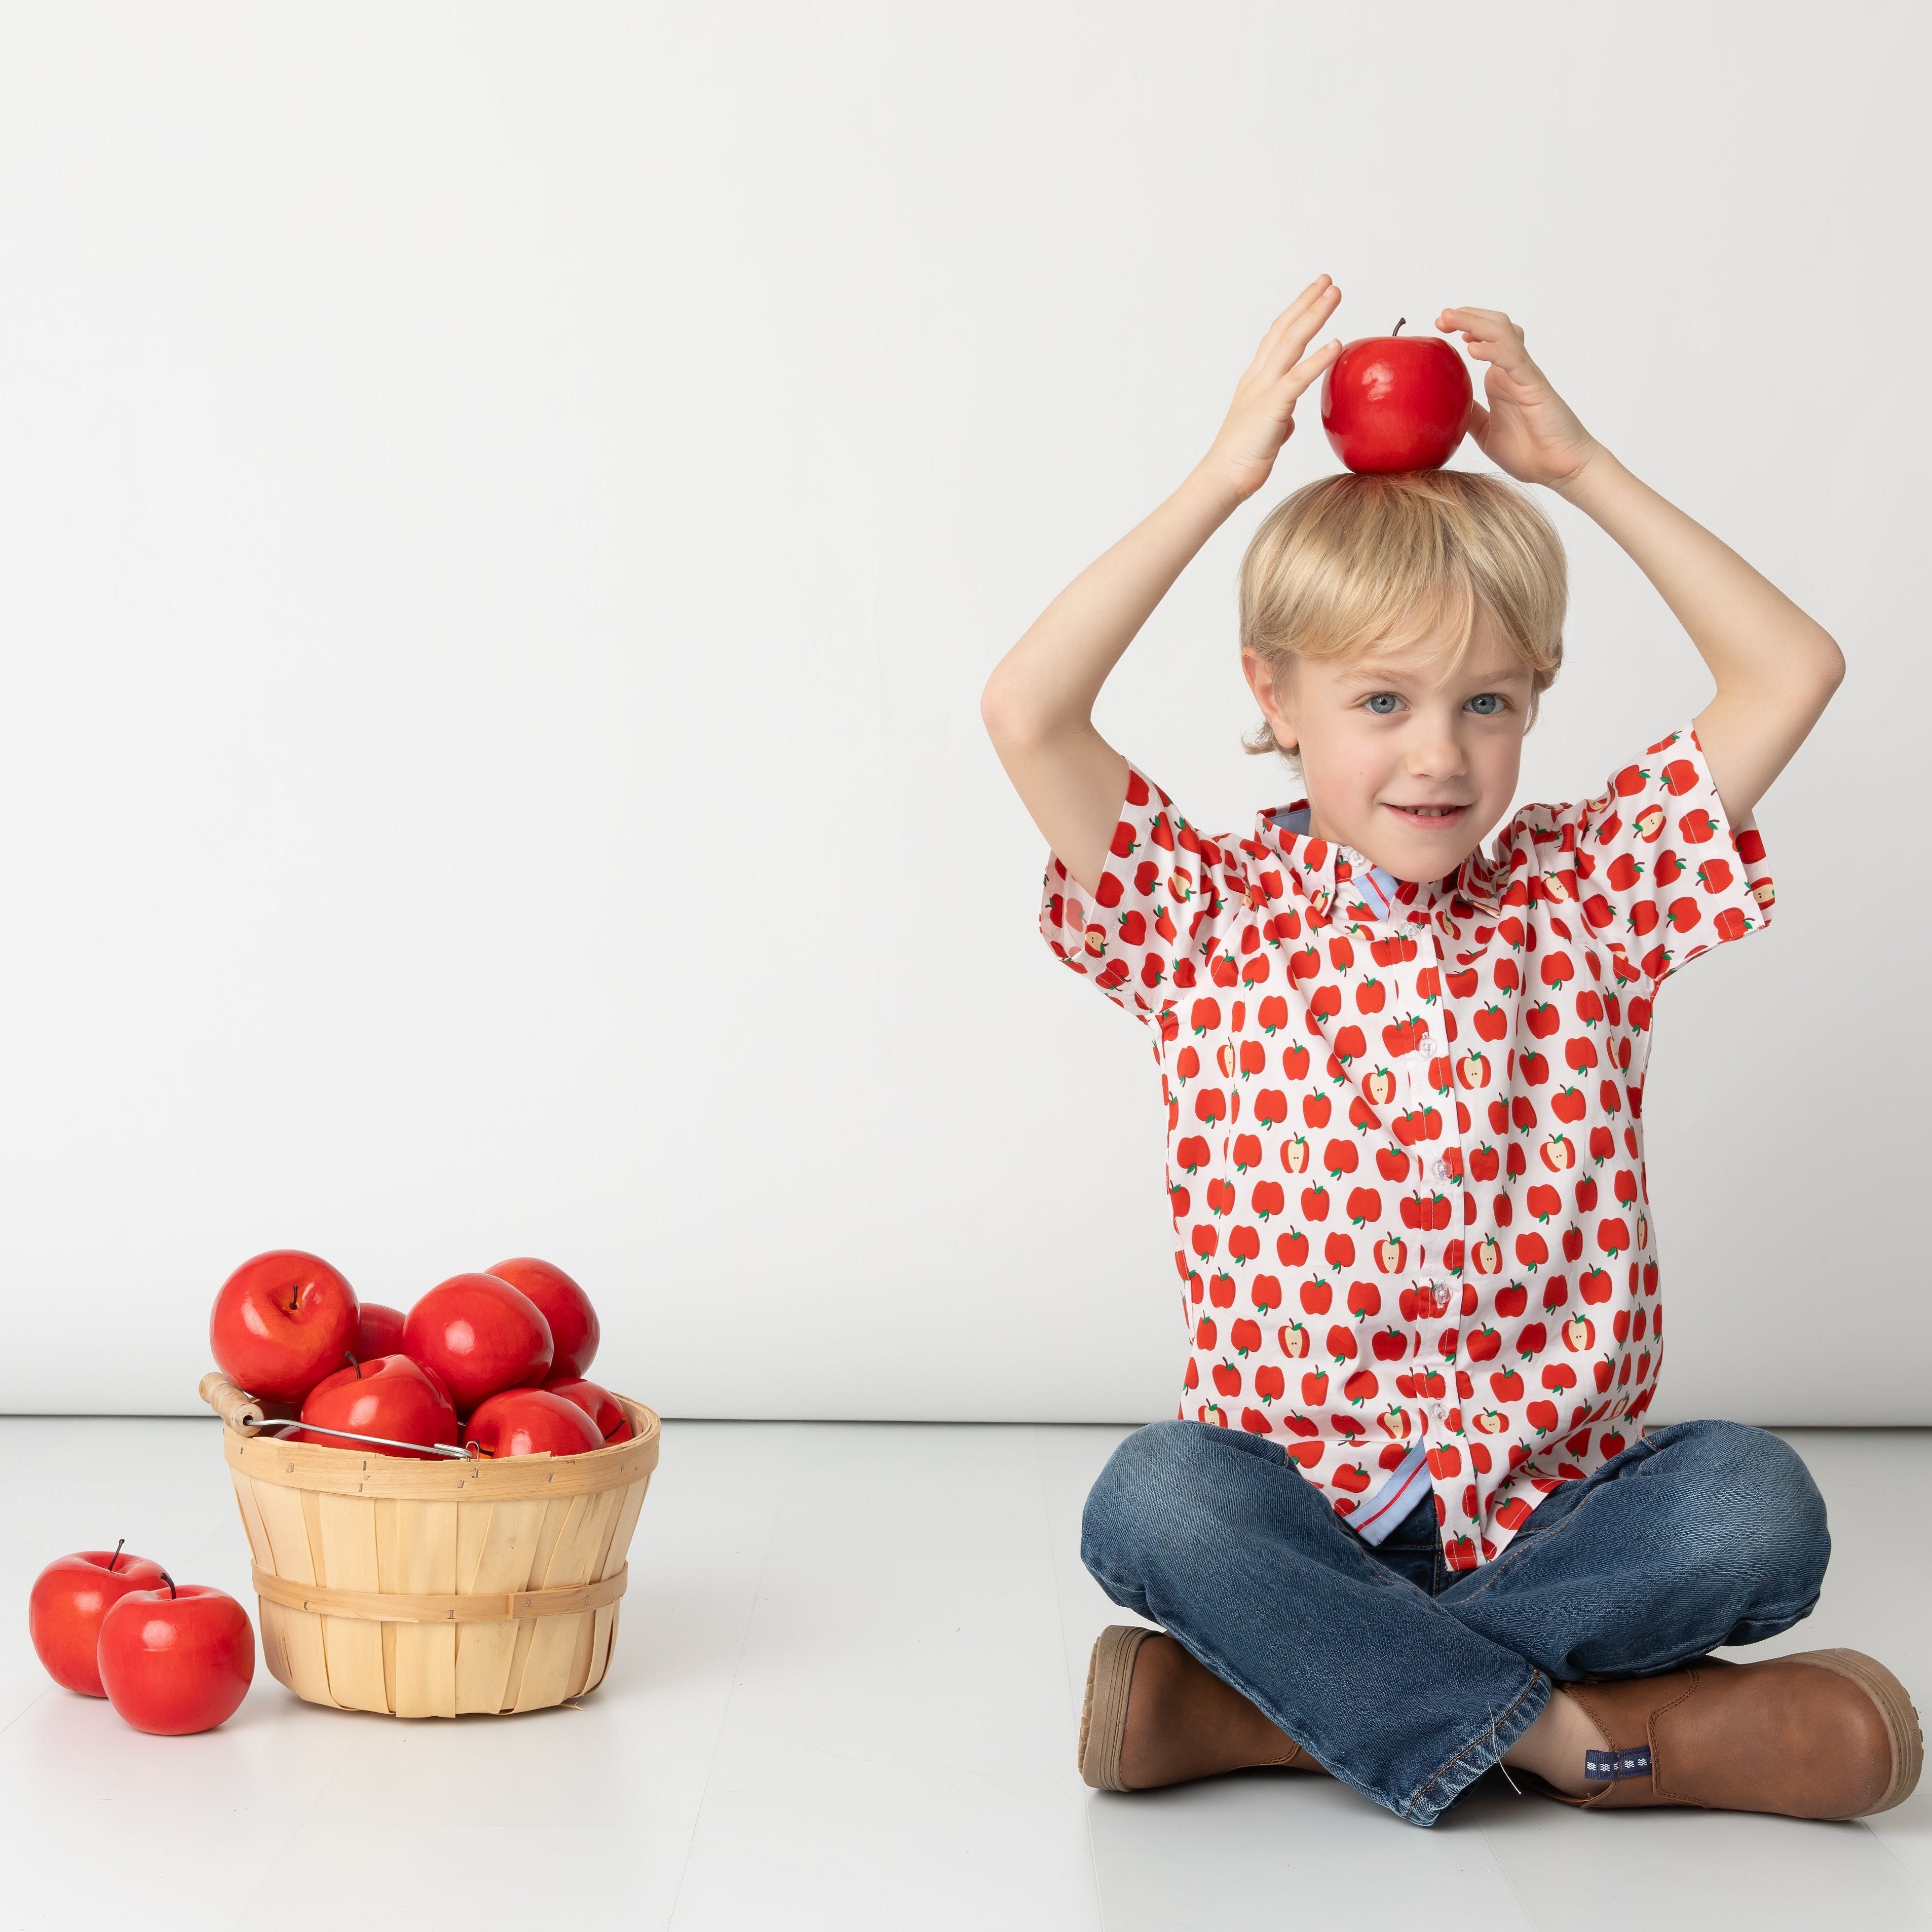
<point x="1038" y="705"/>
<point x="1262" y="418"/>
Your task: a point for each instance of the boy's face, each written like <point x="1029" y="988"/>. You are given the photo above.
<point x="1407" y="758"/>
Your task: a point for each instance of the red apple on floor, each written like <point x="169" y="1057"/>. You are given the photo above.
<point x="574" y="1329"/>
<point x="381" y="1333"/>
<point x="391" y="1396"/>
<point x="1397" y="402"/>
<point x="68" y="1600"/>
<point x="177" y="1659"/>
<point x="527" y="1422"/>
<point x="597" y="1402"/>
<point x="281" y="1322"/>
<point x="480" y="1335"/>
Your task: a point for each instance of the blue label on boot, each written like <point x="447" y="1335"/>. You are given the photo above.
<point x="1606" y="1767"/>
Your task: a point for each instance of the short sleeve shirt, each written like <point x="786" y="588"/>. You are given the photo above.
<point x="1404" y="1156"/>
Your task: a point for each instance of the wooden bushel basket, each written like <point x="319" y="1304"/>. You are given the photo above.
<point x="430" y="1589"/>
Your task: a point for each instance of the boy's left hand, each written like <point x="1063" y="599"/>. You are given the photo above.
<point x="1528" y="430"/>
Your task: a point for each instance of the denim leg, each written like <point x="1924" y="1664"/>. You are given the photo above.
<point x="1703" y="1533"/>
<point x="1213" y="1534"/>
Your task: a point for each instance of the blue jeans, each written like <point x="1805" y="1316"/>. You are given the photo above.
<point x="1408" y="1680"/>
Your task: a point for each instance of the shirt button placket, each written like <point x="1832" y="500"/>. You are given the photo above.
<point x="1423" y="1351"/>
<point x="1450" y="1296"/>
<point x="1444" y="1293"/>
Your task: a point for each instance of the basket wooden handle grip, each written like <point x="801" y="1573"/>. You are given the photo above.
<point x="239" y="1410"/>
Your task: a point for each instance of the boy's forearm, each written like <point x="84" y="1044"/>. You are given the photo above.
<point x="1759" y="644"/>
<point x="1046" y="685"/>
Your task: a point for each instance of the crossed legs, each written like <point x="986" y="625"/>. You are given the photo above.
<point x="1408" y="1681"/>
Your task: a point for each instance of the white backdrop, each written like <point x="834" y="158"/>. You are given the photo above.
<point x="506" y="513"/>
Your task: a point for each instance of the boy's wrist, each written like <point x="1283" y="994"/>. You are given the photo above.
<point x="1212" y="485"/>
<point x="1587" y="481"/>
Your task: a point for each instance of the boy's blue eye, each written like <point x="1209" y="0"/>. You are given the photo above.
<point x="1382" y="703"/>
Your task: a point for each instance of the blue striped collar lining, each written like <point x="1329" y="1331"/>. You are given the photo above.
<point x="1379" y="887"/>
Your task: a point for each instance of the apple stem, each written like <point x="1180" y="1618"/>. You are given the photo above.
<point x="116" y="1557"/>
<point x="1397" y="329"/>
<point x="169" y="1581"/>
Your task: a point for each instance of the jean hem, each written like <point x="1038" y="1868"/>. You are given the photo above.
<point x="1483" y="1752"/>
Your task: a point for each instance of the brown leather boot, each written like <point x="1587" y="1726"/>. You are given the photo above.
<point x="1822" y="1734"/>
<point x="1155" y="1716"/>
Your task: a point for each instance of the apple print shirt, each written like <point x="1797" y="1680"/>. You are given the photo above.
<point x="1405" y="1127"/>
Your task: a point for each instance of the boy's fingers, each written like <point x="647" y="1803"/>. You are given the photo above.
<point x="1293" y="349"/>
<point x="1310" y="367"/>
<point x="1496" y="331"/>
<point x="1293" y="345"/>
<point x="1505" y="351"/>
<point x="1309" y="370"/>
<point x="1303" y="315"/>
<point x="1313" y="293"/>
<point x="1464" y="318"/>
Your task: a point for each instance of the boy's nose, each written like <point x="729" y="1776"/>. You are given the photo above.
<point x="1434" y="752"/>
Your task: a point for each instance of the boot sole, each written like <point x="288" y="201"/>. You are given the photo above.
<point x="1103" y="1716"/>
<point x="1894" y="1705"/>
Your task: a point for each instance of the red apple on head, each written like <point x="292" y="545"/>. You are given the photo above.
<point x="281" y="1322"/>
<point x="176" y="1659"/>
<point x="391" y="1396"/>
<point x="528" y="1422"/>
<point x="480" y="1335"/>
<point x="68" y="1600"/>
<point x="1397" y="402"/>
<point x="597" y="1402"/>
<point x="381" y="1333"/>
<point x="574" y="1329"/>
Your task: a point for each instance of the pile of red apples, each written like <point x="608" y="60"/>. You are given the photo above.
<point x="493" y="1361"/>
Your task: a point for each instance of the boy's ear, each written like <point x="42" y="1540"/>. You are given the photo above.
<point x="1275" y="697"/>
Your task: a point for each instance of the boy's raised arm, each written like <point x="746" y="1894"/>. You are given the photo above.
<point x="1775" y="667"/>
<point x="1038" y="704"/>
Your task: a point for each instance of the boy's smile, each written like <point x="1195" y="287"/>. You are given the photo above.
<point x="1410" y="755"/>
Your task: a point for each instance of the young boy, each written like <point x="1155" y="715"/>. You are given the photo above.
<point x="1409" y="1523"/>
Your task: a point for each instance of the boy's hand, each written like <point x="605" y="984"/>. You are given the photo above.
<point x="1528" y="430"/>
<point x="1262" y="418"/>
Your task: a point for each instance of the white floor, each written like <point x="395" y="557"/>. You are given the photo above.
<point x="845" y="1695"/>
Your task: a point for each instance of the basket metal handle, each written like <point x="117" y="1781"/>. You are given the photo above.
<point x="470" y="1454"/>
<point x="243" y="1414"/>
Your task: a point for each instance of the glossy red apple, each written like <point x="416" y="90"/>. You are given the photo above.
<point x="574" y="1329"/>
<point x="281" y="1322"/>
<point x="380" y="1334"/>
<point x="176" y="1659"/>
<point x="597" y="1402"/>
<point x="480" y="1335"/>
<point x="529" y="1421"/>
<point x="391" y="1396"/>
<point x="68" y="1600"/>
<point x="1397" y="402"/>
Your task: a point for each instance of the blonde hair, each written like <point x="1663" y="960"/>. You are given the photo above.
<point x="1352" y="561"/>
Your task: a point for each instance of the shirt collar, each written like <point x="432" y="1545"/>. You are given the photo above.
<point x="1358" y="887"/>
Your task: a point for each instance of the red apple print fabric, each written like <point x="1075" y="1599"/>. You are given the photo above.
<point x="1405" y="1132"/>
